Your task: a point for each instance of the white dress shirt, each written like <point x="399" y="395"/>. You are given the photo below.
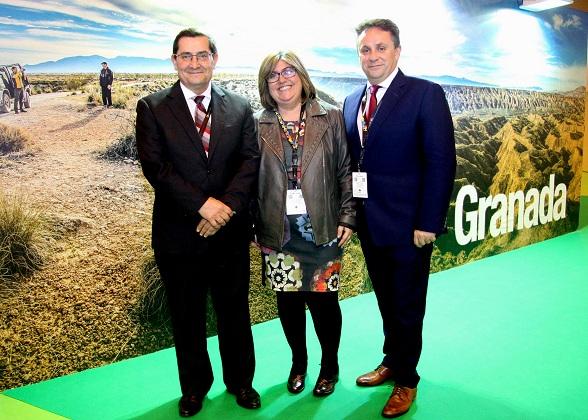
<point x="191" y="96"/>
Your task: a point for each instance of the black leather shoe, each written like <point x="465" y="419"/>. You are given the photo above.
<point x="189" y="405"/>
<point x="325" y="386"/>
<point x="296" y="383"/>
<point x="246" y="397"/>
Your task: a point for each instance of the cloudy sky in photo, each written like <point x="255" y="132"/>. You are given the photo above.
<point x="489" y="41"/>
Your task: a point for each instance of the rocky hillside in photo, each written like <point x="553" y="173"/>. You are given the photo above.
<point x="514" y="142"/>
<point x="467" y="100"/>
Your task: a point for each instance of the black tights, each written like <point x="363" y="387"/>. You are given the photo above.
<point x="326" y="316"/>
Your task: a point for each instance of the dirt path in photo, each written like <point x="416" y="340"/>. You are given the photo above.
<point x="75" y="312"/>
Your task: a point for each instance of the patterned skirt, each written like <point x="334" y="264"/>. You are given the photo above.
<point x="302" y="266"/>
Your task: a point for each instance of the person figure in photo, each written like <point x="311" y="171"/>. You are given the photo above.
<point x="402" y="146"/>
<point x="198" y="148"/>
<point x="25" y="77"/>
<point x="305" y="211"/>
<point x="106" y="79"/>
<point x="18" y="83"/>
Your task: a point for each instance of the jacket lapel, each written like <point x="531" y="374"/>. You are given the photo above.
<point x="352" y="108"/>
<point x="219" y="110"/>
<point x="313" y="132"/>
<point x="269" y="133"/>
<point x="388" y="103"/>
<point x="179" y="109"/>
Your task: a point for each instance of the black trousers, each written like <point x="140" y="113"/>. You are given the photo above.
<point x="106" y="96"/>
<point x="326" y="317"/>
<point x="187" y="279"/>
<point x="400" y="276"/>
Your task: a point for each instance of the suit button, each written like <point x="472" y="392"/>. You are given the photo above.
<point x="209" y="171"/>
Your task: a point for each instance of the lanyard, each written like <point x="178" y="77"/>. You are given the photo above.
<point x="365" y="125"/>
<point x="205" y="121"/>
<point x="206" y="116"/>
<point x="294" y="141"/>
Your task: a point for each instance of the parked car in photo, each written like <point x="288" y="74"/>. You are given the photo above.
<point x="8" y="88"/>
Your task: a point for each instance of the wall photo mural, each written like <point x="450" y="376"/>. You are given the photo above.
<point x="84" y="290"/>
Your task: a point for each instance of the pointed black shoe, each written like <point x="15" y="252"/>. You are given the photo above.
<point x="246" y="397"/>
<point x="325" y="385"/>
<point x="296" y="383"/>
<point x="189" y="405"/>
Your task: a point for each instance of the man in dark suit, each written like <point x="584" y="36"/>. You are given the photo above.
<point x="400" y="134"/>
<point x="197" y="145"/>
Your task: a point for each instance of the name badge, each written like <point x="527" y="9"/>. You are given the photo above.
<point x="359" y="183"/>
<point x="295" y="202"/>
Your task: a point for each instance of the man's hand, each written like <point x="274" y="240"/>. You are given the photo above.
<point x="422" y="238"/>
<point x="343" y="234"/>
<point x="215" y="212"/>
<point x="205" y="229"/>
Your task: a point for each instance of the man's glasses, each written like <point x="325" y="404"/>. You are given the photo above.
<point x="201" y="57"/>
<point x="287" y="72"/>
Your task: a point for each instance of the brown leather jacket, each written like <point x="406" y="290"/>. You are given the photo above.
<point x="325" y="182"/>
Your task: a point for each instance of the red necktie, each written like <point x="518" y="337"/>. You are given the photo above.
<point x="373" y="103"/>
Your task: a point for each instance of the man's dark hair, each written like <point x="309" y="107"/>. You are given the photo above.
<point x="383" y="24"/>
<point x="193" y="33"/>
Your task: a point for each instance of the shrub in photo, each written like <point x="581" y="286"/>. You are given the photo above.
<point x="94" y="97"/>
<point x="152" y="303"/>
<point x="124" y="97"/>
<point x="21" y="234"/>
<point x="74" y="83"/>
<point x="124" y="147"/>
<point x="12" y="139"/>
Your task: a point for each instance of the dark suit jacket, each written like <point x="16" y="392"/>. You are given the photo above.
<point x="173" y="161"/>
<point x="409" y="158"/>
<point x="106" y="77"/>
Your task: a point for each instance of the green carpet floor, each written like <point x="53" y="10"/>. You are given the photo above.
<point x="505" y="338"/>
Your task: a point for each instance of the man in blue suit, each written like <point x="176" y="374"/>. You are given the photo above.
<point x="401" y="140"/>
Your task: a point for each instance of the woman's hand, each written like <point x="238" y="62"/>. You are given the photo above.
<point x="343" y="234"/>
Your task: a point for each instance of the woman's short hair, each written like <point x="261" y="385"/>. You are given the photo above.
<point x="267" y="66"/>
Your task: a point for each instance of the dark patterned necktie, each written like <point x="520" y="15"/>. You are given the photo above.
<point x="200" y="119"/>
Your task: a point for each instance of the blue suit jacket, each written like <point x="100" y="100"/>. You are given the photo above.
<point x="409" y="158"/>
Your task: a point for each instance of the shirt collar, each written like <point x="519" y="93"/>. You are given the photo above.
<point x="387" y="81"/>
<point x="189" y="95"/>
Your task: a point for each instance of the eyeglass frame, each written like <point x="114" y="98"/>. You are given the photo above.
<point x="201" y="56"/>
<point x="277" y="74"/>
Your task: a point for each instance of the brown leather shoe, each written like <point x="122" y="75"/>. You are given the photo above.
<point x="399" y="402"/>
<point x="380" y="375"/>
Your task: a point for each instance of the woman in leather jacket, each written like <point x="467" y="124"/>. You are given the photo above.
<point x="305" y="211"/>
